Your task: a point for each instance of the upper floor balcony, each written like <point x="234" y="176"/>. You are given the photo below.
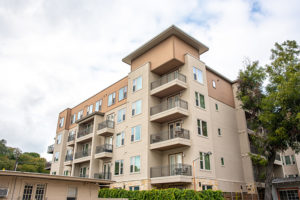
<point x="50" y="149"/>
<point x="71" y="139"/>
<point x="84" y="133"/>
<point x="177" y="173"/>
<point x="170" y="140"/>
<point x="68" y="159"/>
<point x="168" y="84"/>
<point x="169" y="110"/>
<point x="104" y="151"/>
<point x="82" y="156"/>
<point x="103" y="175"/>
<point x="106" y="128"/>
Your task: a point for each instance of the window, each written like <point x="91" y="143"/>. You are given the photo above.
<point x="202" y="127"/>
<point x="72" y="193"/>
<point x="80" y="115"/>
<point x="112" y="99"/>
<point x="118" y="167"/>
<point x="66" y="173"/>
<point x="136" y="107"/>
<point x="204" y="161"/>
<point x="58" y="139"/>
<point x="135" y="164"/>
<point x="123" y="93"/>
<point x="287" y="160"/>
<point x="27" y="192"/>
<point x="219" y="132"/>
<point x="82" y="172"/>
<point x="121" y="115"/>
<point x="200" y="100"/>
<point x="53" y="173"/>
<point x="120" y="139"/>
<point x="61" y="122"/>
<point x="40" y="191"/>
<point x="134" y="188"/>
<point x="89" y="109"/>
<point x="73" y="118"/>
<point x="214" y="84"/>
<point x="206" y="187"/>
<point x="198" y="75"/>
<point x="98" y="106"/>
<point x="56" y="156"/>
<point x="217" y="107"/>
<point x="110" y="117"/>
<point x="293" y="159"/>
<point x="222" y="161"/>
<point x="136" y="133"/>
<point x="137" y="84"/>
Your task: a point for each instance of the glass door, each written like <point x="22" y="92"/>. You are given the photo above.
<point x="82" y="172"/>
<point x="175" y="161"/>
<point x="173" y="101"/>
<point x="106" y="170"/>
<point x="174" y="129"/>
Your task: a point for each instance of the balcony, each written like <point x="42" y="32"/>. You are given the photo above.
<point x="104" y="151"/>
<point x="82" y="156"/>
<point x="50" y="149"/>
<point x="168" y="111"/>
<point x="103" y="176"/>
<point x="178" y="173"/>
<point x="106" y="128"/>
<point x="71" y="139"/>
<point x="68" y="159"/>
<point x="85" y="134"/>
<point x="168" y="84"/>
<point x="170" y="140"/>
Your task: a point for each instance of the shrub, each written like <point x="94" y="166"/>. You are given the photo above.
<point x="164" y="194"/>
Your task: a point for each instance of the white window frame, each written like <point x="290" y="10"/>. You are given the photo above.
<point x="121" y="115"/>
<point x="137" y="84"/>
<point x="200" y="128"/>
<point x="198" y="97"/>
<point x="134" y="107"/>
<point x="98" y="106"/>
<point x="89" y="109"/>
<point x="196" y="74"/>
<point x="121" y="167"/>
<point x="61" y="122"/>
<point x="133" y="164"/>
<point x="80" y="114"/>
<point x="58" y="139"/>
<point x="73" y="118"/>
<point x="133" y="136"/>
<point x="120" y="139"/>
<point x="111" y="99"/>
<point x="122" y="93"/>
<point x="203" y="165"/>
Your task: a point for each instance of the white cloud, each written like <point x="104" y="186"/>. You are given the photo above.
<point x="54" y="54"/>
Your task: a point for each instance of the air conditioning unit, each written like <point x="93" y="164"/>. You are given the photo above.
<point x="3" y="192"/>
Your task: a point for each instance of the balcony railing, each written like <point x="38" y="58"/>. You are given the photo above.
<point x="82" y="154"/>
<point x="83" y="175"/>
<point x="103" y="175"/>
<point x="85" y="131"/>
<point x="104" y="148"/>
<point x="177" y="133"/>
<point x="106" y="124"/>
<point x="50" y="148"/>
<point x="168" y="78"/>
<point x="171" y="170"/>
<point x="167" y="105"/>
<point x="71" y="138"/>
<point x="69" y="157"/>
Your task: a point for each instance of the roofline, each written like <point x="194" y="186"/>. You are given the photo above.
<point x="217" y="73"/>
<point x="52" y="177"/>
<point x="172" y="30"/>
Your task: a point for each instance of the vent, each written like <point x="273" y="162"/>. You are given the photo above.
<point x="3" y="192"/>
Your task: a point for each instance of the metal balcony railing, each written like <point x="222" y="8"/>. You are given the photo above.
<point x="177" y="133"/>
<point x="167" y="105"/>
<point x="82" y="154"/>
<point x="104" y="148"/>
<point x="83" y="175"/>
<point x="85" y="131"/>
<point x="71" y="138"/>
<point x="168" y="78"/>
<point x="106" y="124"/>
<point x="103" y="175"/>
<point x="69" y="157"/>
<point x="50" y="148"/>
<point x="171" y="170"/>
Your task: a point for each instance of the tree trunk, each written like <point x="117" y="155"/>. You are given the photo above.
<point x="269" y="176"/>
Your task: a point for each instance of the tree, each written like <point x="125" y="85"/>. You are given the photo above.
<point x="271" y="96"/>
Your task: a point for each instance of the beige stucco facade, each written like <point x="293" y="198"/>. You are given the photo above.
<point x="168" y="108"/>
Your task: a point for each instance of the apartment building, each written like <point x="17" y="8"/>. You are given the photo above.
<point x="171" y="122"/>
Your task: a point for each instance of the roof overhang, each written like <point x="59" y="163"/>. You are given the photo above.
<point x="172" y="30"/>
<point x="88" y="117"/>
<point x="53" y="177"/>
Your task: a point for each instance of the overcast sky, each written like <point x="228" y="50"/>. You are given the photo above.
<point x="56" y="53"/>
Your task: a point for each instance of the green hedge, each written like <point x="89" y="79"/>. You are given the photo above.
<point x="166" y="194"/>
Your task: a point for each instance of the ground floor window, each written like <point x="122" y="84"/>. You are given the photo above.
<point x="72" y="193"/>
<point x="206" y="187"/>
<point x="134" y="188"/>
<point x="36" y="190"/>
<point x="288" y="195"/>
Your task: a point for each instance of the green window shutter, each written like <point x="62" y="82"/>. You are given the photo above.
<point x="201" y="161"/>
<point x="204" y="128"/>
<point x="199" y="126"/>
<point x="207" y="162"/>
<point x="117" y="168"/>
<point x="202" y="102"/>
<point x="197" y="98"/>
